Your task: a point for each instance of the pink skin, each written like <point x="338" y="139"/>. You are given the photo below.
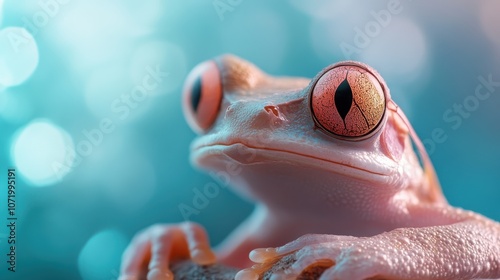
<point x="373" y="209"/>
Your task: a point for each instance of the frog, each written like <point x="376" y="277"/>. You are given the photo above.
<point x="339" y="178"/>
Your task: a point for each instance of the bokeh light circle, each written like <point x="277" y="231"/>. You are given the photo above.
<point x="327" y="9"/>
<point x="91" y="36"/>
<point x="330" y="32"/>
<point x="41" y="151"/>
<point x="100" y="257"/>
<point x="18" y="56"/>
<point x="400" y="51"/>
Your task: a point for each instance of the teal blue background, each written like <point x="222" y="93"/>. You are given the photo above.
<point x="56" y="221"/>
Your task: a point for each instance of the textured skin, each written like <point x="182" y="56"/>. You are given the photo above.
<point x="363" y="209"/>
<point x="187" y="270"/>
<point x="462" y="251"/>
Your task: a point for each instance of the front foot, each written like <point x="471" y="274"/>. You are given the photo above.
<point x="464" y="250"/>
<point x="152" y="251"/>
<point x="323" y="257"/>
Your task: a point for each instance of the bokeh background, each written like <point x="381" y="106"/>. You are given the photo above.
<point x="65" y="66"/>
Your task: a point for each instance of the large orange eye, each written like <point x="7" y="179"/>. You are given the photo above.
<point x="202" y="96"/>
<point x="348" y="101"/>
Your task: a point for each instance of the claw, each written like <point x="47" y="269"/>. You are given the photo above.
<point x="156" y="274"/>
<point x="203" y="256"/>
<point x="262" y="255"/>
<point x="246" y="274"/>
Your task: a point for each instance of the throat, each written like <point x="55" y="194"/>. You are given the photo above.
<point x="271" y="228"/>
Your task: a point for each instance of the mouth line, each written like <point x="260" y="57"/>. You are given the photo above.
<point x="291" y="153"/>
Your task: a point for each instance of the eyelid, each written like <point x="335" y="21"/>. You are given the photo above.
<point x="238" y="74"/>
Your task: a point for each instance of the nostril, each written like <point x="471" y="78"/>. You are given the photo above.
<point x="269" y="118"/>
<point x="271" y="109"/>
<point x="229" y="112"/>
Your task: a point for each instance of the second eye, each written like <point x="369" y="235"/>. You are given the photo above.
<point x="202" y="96"/>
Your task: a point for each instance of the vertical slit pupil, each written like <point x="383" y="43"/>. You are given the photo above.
<point x="343" y="98"/>
<point x="196" y="94"/>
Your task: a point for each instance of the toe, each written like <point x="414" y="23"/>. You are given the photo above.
<point x="199" y="244"/>
<point x="164" y="245"/>
<point x="312" y="239"/>
<point x="246" y="274"/>
<point x="134" y="258"/>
